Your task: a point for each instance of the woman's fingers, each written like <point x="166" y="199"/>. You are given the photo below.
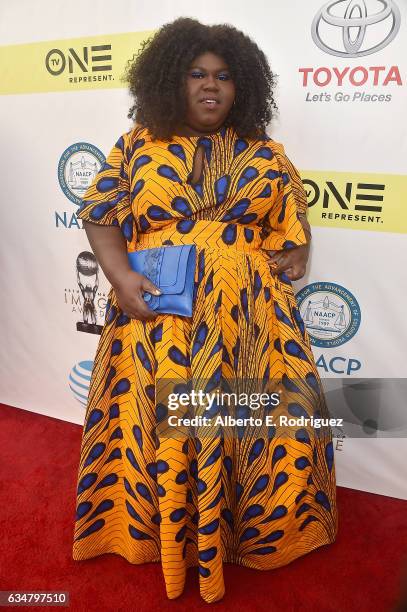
<point x="139" y="310"/>
<point x="296" y="272"/>
<point x="279" y="264"/>
<point x="293" y="262"/>
<point x="147" y="285"/>
<point x="142" y="311"/>
<point x="293" y="272"/>
<point x="133" y="302"/>
<point x="274" y="255"/>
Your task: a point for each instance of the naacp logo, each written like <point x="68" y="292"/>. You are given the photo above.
<point x="77" y="168"/>
<point x="346" y="28"/>
<point x="330" y="312"/>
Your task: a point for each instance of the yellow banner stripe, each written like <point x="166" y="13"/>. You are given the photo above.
<point x="365" y="201"/>
<point x="94" y="62"/>
<point x="354" y="200"/>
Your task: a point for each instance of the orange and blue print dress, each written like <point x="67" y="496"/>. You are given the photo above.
<point x="248" y="495"/>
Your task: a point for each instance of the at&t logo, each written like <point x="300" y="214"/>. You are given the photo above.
<point x="79" y="380"/>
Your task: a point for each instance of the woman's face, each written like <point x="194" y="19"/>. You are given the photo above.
<point x="210" y="93"/>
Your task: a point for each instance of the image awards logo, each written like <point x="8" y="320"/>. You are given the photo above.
<point x="355" y="28"/>
<point x="330" y="312"/>
<point x="79" y="381"/>
<point x="87" y="274"/>
<point x="86" y="299"/>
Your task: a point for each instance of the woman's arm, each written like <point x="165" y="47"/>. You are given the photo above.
<point x="109" y="246"/>
<point x="289" y="237"/>
<point x="110" y="249"/>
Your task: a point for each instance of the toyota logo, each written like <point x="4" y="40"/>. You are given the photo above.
<point x="349" y="29"/>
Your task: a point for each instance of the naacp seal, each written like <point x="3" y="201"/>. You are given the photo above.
<point x="77" y="167"/>
<point x="330" y="313"/>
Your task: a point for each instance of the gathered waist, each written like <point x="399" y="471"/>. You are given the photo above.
<point x="203" y="233"/>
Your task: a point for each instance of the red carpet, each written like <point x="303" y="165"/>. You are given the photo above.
<point x="364" y="570"/>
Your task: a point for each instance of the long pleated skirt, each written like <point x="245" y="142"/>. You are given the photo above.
<point x="256" y="495"/>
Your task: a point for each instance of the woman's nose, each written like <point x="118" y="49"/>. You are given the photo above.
<point x="210" y="83"/>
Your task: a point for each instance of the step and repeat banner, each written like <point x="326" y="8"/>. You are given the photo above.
<point x="342" y="97"/>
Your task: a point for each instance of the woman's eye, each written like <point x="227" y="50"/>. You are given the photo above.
<point x="222" y="76"/>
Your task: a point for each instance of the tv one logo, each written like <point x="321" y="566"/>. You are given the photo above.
<point x="355" y="28"/>
<point x="368" y="197"/>
<point x="96" y="58"/>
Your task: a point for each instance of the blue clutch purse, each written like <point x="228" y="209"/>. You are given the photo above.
<point x="172" y="270"/>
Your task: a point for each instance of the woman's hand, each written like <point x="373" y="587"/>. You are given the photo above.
<point x="129" y="291"/>
<point x="291" y="261"/>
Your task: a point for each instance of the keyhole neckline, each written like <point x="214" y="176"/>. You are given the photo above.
<point x="195" y="177"/>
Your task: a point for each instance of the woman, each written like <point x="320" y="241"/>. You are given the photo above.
<point x="198" y="168"/>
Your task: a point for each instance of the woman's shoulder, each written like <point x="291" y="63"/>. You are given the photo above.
<point x="138" y="132"/>
<point x="263" y="142"/>
<point x="132" y="139"/>
<point x="274" y="145"/>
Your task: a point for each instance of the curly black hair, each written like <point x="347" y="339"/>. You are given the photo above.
<point x="156" y="77"/>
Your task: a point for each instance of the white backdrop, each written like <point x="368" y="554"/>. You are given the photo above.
<point x="359" y="145"/>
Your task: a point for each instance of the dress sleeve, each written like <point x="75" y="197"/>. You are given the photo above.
<point x="107" y="199"/>
<point x="286" y="225"/>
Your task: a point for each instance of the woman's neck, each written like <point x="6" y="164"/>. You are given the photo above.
<point x="187" y="130"/>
